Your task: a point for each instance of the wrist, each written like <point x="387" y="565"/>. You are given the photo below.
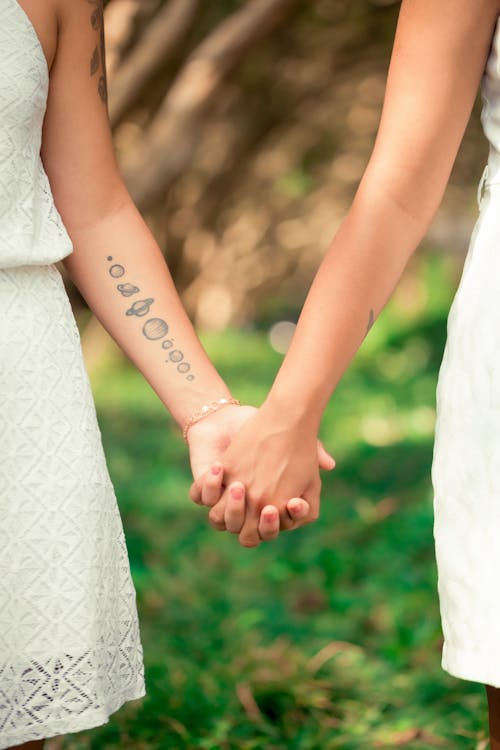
<point x="290" y="410"/>
<point x="188" y="402"/>
<point x="205" y="411"/>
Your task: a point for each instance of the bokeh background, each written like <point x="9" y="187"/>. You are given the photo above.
<point x="242" y="129"/>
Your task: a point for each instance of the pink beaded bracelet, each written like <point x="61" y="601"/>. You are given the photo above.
<point x="206" y="410"/>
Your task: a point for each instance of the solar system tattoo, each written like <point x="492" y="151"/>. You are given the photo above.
<point x="98" y="60"/>
<point x="154" y="329"/>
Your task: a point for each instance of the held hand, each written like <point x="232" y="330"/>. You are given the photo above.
<point x="208" y="441"/>
<point x="229" y="509"/>
<point x="274" y="462"/>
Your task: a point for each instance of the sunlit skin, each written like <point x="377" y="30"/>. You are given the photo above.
<point x="115" y="255"/>
<point x="423" y="121"/>
<point x="437" y="63"/>
<point x="272" y="453"/>
<point x="103" y="222"/>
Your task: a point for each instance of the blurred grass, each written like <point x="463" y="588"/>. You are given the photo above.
<point x="328" y="637"/>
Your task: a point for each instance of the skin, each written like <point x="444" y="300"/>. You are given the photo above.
<point x="436" y="66"/>
<point x="275" y="451"/>
<point x="113" y="246"/>
<point x="103" y="222"/>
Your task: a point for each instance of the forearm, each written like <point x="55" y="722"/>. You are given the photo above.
<point x="121" y="272"/>
<point x="353" y="283"/>
<point x="438" y="60"/>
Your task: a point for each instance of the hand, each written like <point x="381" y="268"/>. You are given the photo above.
<point x="208" y="441"/>
<point x="209" y="438"/>
<point x="275" y="463"/>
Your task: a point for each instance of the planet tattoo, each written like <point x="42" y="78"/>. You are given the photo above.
<point x="140" y="307"/>
<point x="190" y="377"/>
<point x="168" y="343"/>
<point x="128" y="289"/>
<point x="110" y="257"/>
<point x="176" y="356"/>
<point x="116" y="271"/>
<point x="155" y="328"/>
<point x="183" y="367"/>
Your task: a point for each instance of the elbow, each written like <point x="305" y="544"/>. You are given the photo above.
<point x="91" y="204"/>
<point x="406" y="197"/>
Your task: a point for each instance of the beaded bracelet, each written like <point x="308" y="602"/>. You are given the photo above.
<point x="206" y="410"/>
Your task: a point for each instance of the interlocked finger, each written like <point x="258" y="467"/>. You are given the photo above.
<point x="234" y="515"/>
<point x="249" y="534"/>
<point x="297" y="509"/>
<point x="195" y="493"/>
<point x="269" y="524"/>
<point x="212" y="485"/>
<point x="312" y="496"/>
<point x="217" y="513"/>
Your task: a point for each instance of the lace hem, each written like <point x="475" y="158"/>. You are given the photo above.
<point x="68" y="725"/>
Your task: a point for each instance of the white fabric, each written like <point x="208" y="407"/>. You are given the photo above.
<point x="31" y="230"/>
<point x="466" y="461"/>
<point x="70" y="650"/>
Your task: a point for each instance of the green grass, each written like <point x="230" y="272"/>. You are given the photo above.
<point x="328" y="637"/>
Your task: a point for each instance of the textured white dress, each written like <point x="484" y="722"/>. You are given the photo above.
<point x="466" y="461"/>
<point x="70" y="650"/>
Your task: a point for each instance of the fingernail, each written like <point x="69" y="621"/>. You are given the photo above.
<point x="237" y="492"/>
<point x="216" y="470"/>
<point x="295" y="506"/>
<point x="269" y="516"/>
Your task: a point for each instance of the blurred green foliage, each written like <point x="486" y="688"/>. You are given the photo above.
<point x="328" y="637"/>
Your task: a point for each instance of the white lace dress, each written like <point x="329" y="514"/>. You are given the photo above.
<point x="466" y="465"/>
<point x="70" y="650"/>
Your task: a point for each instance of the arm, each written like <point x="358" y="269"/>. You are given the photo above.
<point x="438" y="59"/>
<point x="116" y="262"/>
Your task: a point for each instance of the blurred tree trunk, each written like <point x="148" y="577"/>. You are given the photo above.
<point x="202" y="93"/>
<point x="242" y="128"/>
<point x="169" y="142"/>
<point x="160" y="40"/>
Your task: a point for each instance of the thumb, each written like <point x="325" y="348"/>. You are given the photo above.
<point x="325" y="460"/>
